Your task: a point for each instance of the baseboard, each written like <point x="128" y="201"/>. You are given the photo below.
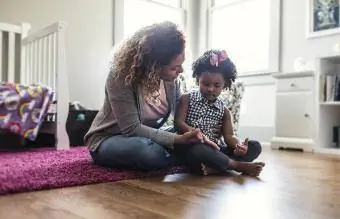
<point x="292" y="143"/>
<point x="327" y="151"/>
<point x="258" y="133"/>
<point x="265" y="144"/>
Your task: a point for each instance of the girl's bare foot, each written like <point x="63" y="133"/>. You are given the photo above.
<point x="207" y="170"/>
<point x="251" y="169"/>
<point x="204" y="170"/>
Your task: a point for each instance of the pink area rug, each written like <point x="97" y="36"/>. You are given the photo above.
<point x="39" y="169"/>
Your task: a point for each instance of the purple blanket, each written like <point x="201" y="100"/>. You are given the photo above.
<point x="23" y="108"/>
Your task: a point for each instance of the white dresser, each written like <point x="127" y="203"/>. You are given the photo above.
<point x="295" y="111"/>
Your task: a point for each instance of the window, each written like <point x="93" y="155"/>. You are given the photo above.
<point x="139" y="13"/>
<point x="249" y="31"/>
<point x="222" y="2"/>
<point x="174" y="3"/>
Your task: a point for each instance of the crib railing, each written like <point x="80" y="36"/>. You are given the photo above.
<point x="11" y="36"/>
<point x="38" y="58"/>
<point x="41" y="56"/>
<point x="44" y="62"/>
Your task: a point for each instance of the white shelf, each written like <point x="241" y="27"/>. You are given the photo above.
<point x="330" y="103"/>
<point x="303" y="118"/>
<point x="293" y="74"/>
<point x="295" y="114"/>
<point x="328" y="113"/>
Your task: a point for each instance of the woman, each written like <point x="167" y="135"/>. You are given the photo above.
<point x="141" y="92"/>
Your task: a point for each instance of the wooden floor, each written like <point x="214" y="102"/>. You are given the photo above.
<point x="293" y="185"/>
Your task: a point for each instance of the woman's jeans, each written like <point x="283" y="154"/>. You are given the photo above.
<point x="140" y="153"/>
<point x="133" y="153"/>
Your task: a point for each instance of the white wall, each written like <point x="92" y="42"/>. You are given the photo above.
<point x="258" y="108"/>
<point x="294" y="42"/>
<point x="257" y="118"/>
<point x="89" y="39"/>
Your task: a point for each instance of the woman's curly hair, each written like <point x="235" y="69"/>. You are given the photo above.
<point x="141" y="57"/>
<point x="207" y="63"/>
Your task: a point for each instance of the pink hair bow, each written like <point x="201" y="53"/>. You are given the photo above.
<point x="215" y="59"/>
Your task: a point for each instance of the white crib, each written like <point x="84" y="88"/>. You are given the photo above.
<point x="39" y="57"/>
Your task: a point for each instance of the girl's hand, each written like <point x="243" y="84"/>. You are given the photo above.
<point x="205" y="139"/>
<point x="210" y="143"/>
<point x="241" y="149"/>
<point x="217" y="131"/>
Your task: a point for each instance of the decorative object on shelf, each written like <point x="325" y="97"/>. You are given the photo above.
<point x="331" y="87"/>
<point x="323" y="18"/>
<point x="299" y="64"/>
<point x="336" y="48"/>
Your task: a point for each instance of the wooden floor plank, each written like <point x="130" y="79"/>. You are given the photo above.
<point x="292" y="185"/>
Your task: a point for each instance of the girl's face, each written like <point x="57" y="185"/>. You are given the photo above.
<point x="211" y="85"/>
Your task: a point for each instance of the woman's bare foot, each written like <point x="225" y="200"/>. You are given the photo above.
<point x="251" y="169"/>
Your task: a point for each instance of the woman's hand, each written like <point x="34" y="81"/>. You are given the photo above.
<point x="190" y="137"/>
<point x="241" y="148"/>
<point x="196" y="136"/>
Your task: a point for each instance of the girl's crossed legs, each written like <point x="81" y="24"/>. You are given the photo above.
<point x="199" y="156"/>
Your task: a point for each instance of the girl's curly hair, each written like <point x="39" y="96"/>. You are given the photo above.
<point x="207" y="63"/>
<point x="141" y="58"/>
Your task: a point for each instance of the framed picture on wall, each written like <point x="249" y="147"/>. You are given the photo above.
<point x="323" y="18"/>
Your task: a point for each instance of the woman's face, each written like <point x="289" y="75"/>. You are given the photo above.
<point x="171" y="72"/>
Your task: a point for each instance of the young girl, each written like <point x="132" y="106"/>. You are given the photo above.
<point x="220" y="149"/>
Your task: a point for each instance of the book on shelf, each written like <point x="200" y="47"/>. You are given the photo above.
<point x="336" y="136"/>
<point x="330" y="85"/>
